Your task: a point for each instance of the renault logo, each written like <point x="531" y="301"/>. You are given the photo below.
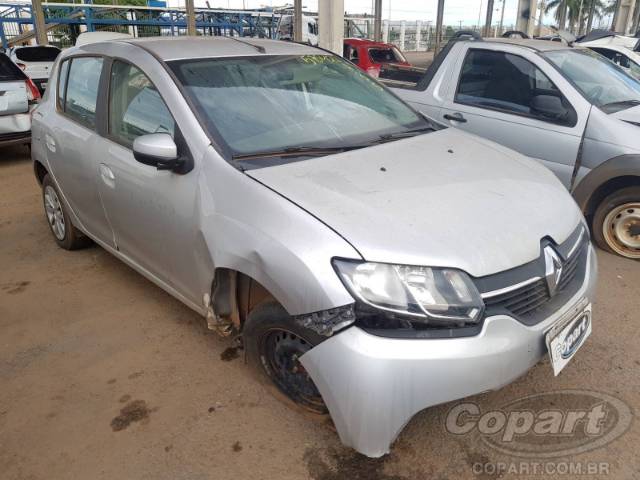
<point x="553" y="269"/>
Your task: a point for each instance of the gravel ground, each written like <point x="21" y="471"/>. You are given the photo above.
<point x="103" y="376"/>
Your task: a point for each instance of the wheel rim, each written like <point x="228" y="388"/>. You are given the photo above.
<point x="621" y="230"/>
<point x="280" y="352"/>
<point x="53" y="208"/>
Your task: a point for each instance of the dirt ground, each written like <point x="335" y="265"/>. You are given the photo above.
<point x="105" y="376"/>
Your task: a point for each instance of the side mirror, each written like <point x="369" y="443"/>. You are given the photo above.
<point x="158" y="150"/>
<point x="550" y="107"/>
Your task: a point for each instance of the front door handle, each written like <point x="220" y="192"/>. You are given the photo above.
<point x="107" y="175"/>
<point x="50" y="143"/>
<point x="456" y="117"/>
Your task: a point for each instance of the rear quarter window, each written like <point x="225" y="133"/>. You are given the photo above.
<point x="37" y="54"/>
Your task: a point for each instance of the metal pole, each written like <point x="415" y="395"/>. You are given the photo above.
<point x="377" y="22"/>
<point x="37" y="16"/>
<point x="592" y="10"/>
<point x="616" y="13"/>
<point x="541" y="17"/>
<point x="439" y="21"/>
<point x="489" y="20"/>
<point x="297" y="20"/>
<point x="502" y="17"/>
<point x="191" y="18"/>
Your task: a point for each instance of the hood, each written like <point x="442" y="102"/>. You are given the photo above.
<point x="442" y="199"/>
<point x="630" y="115"/>
<point x="619" y="129"/>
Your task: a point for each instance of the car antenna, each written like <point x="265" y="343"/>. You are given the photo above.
<point x="259" y="48"/>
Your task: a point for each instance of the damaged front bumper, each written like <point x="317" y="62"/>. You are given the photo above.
<point x="374" y="385"/>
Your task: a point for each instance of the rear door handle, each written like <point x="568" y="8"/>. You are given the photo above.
<point x="456" y="117"/>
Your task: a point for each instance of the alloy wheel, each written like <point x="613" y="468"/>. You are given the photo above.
<point x="55" y="216"/>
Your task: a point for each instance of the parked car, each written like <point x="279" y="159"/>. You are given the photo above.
<point x="309" y="29"/>
<point x="373" y="263"/>
<point x="95" y="37"/>
<point x="623" y="51"/>
<point x="568" y="107"/>
<point x="36" y="62"/>
<point x="17" y="96"/>
<point x="369" y="56"/>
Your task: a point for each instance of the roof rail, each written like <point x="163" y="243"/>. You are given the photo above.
<point x="514" y="33"/>
<point x="466" y="35"/>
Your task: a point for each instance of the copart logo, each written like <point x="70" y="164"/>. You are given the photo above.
<point x="545" y="425"/>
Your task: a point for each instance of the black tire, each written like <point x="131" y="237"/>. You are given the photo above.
<point x="272" y="341"/>
<point x="620" y="209"/>
<point x="71" y="238"/>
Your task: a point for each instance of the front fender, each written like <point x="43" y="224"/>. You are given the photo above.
<point x="247" y="227"/>
<point x="621" y="166"/>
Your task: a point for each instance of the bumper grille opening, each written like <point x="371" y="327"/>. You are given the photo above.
<point x="527" y="301"/>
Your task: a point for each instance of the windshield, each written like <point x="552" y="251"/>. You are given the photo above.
<point x="601" y="82"/>
<point x="37" y="54"/>
<point x="271" y="103"/>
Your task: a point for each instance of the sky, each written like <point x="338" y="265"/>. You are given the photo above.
<point x="465" y="11"/>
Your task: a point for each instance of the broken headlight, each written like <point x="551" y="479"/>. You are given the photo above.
<point x="432" y="295"/>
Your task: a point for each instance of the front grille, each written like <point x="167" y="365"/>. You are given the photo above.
<point x="525" y="301"/>
<point x="521" y="300"/>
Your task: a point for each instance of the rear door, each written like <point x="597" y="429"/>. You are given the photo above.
<point x="70" y="139"/>
<point x="493" y="96"/>
<point x="13" y="89"/>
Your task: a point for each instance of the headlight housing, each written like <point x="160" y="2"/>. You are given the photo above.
<point x="431" y="295"/>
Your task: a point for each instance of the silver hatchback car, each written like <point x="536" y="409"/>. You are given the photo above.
<point x="374" y="263"/>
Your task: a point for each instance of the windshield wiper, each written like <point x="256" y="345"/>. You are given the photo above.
<point x="622" y="103"/>
<point x="387" y="137"/>
<point x="296" y="152"/>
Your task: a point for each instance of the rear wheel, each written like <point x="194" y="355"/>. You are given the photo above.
<point x="274" y="344"/>
<point x="616" y="223"/>
<point x="65" y="234"/>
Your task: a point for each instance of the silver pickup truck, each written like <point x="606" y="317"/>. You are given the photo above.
<point x="569" y="108"/>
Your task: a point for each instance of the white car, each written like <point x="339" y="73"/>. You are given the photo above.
<point x="18" y="96"/>
<point x="623" y="51"/>
<point x="36" y="62"/>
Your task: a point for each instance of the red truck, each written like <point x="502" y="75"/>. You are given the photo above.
<point x="370" y="56"/>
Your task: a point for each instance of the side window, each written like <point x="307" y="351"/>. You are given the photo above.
<point x="610" y="54"/>
<point x="82" y="90"/>
<point x="135" y="106"/>
<point x="62" y="83"/>
<point x="502" y="81"/>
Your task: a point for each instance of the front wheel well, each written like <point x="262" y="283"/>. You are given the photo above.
<point x="234" y="295"/>
<point x="606" y="189"/>
<point x="40" y="171"/>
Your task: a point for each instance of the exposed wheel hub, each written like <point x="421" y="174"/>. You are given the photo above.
<point x="622" y="230"/>
<point x="280" y="352"/>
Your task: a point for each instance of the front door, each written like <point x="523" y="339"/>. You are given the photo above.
<point x="151" y="211"/>
<point x="498" y="96"/>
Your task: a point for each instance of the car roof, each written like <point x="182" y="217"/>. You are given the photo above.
<point x="537" y="45"/>
<point x="181" y="48"/>
<point x="366" y="42"/>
